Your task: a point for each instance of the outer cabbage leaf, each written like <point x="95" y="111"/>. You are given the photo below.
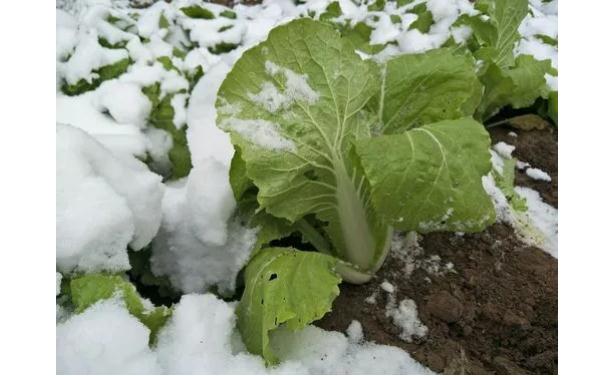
<point x="431" y="181"/>
<point x="518" y="86"/>
<point x="419" y="89"/>
<point x="107" y="72"/>
<point x="293" y="106"/>
<point x="91" y="288"/>
<point x="505" y="182"/>
<point x="284" y="286"/>
<point x="196" y="11"/>
<point x="505" y="16"/>
<point x="162" y="117"/>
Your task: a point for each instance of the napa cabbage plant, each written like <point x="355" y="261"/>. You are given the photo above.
<point x="343" y="151"/>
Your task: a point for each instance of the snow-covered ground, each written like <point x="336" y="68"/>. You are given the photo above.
<point x="109" y="201"/>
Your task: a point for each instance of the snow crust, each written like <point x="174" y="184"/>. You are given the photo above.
<point x="544" y="217"/>
<point x="193" y="248"/>
<point x="104" y="202"/>
<point x="503" y="149"/>
<point x="355" y="331"/>
<point x="538" y="174"/>
<point x="58" y="282"/>
<point x="201" y="338"/>
<point x="105" y="339"/>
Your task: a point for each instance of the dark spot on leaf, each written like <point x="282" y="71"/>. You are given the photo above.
<point x="310" y="175"/>
<point x="273" y="276"/>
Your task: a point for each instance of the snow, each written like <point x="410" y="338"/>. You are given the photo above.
<point x="105" y="339"/>
<point x="502" y="208"/>
<point x="197" y="340"/>
<point x="355" y="332"/>
<point x="541" y="21"/>
<point x="544" y="217"/>
<point x="195" y="249"/>
<point x="81" y="112"/>
<point x="405" y="316"/>
<point x="371" y="299"/>
<point x="149" y="21"/>
<point x="522" y="165"/>
<point x="503" y="149"/>
<point x="104" y="202"/>
<point x="315" y="351"/>
<point x="209" y="197"/>
<point x="537" y="174"/>
<point x="201" y="337"/>
<point x="58" y="282"/>
<point x="260" y="132"/>
<point x="124" y="101"/>
<point x="88" y="56"/>
<point x="387" y="287"/>
<point x="180" y="114"/>
<point x="296" y="89"/>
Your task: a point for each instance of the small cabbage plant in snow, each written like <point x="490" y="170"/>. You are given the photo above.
<point x="350" y="121"/>
<point x="343" y="149"/>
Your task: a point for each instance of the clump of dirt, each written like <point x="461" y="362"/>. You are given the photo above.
<point x="488" y="300"/>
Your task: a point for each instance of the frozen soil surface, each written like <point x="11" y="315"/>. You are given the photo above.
<point x="495" y="312"/>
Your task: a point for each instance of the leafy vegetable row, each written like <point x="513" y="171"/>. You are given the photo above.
<point x="343" y="150"/>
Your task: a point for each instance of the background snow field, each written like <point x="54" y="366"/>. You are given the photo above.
<point x="146" y="176"/>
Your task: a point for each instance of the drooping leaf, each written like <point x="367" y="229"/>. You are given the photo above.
<point x="505" y="182"/>
<point x="505" y="16"/>
<point x="484" y="31"/>
<point x="360" y="35"/>
<point x="105" y="43"/>
<point x="196" y="11"/>
<point x="518" y="86"/>
<point x="547" y="39"/>
<point x="222" y="48"/>
<point x="163" y="23"/>
<point x="167" y="63"/>
<point x="377" y="6"/>
<point x="424" y="19"/>
<point x="333" y="10"/>
<point x="162" y="117"/>
<point x="107" y="72"/>
<point x="284" y="286"/>
<point x="455" y="153"/>
<point x="419" y="89"/>
<point x="228" y="14"/>
<point x="91" y="288"/>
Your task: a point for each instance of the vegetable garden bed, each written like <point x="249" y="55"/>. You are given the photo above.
<point x="350" y="186"/>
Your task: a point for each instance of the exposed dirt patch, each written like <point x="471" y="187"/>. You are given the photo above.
<point x="494" y="312"/>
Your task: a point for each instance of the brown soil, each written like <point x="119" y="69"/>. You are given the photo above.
<point x="496" y="313"/>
